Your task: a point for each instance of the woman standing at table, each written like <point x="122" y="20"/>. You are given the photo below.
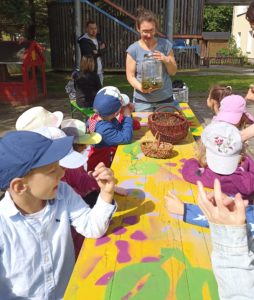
<point x="161" y="49"/>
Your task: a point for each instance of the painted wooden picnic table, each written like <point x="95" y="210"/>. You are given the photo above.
<point x="148" y="254"/>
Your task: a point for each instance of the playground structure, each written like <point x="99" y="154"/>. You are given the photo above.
<point x="116" y="22"/>
<point x="28" y="57"/>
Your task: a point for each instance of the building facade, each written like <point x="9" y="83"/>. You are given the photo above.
<point x="242" y="32"/>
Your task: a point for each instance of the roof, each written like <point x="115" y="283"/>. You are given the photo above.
<point x="12" y="52"/>
<point x="223" y="36"/>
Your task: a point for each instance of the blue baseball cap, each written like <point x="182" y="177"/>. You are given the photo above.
<point x="109" y="100"/>
<point x="22" y="151"/>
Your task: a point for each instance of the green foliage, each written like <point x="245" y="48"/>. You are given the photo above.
<point x="233" y="50"/>
<point x="218" y="18"/>
<point x="19" y="16"/>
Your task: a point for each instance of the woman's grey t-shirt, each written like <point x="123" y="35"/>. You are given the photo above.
<point x="137" y="53"/>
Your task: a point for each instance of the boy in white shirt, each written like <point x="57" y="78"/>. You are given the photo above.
<point x="36" y="248"/>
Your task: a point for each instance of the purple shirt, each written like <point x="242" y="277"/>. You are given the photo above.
<point x="241" y="181"/>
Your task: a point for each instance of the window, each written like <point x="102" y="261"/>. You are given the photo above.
<point x="249" y="42"/>
<point x="238" y="40"/>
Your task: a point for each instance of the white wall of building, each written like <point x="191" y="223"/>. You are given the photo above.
<point x="242" y="32"/>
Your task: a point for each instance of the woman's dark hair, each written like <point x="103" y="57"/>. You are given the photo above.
<point x="145" y="15"/>
<point x="250" y="13"/>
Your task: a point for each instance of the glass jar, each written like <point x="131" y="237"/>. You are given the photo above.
<point x="151" y="73"/>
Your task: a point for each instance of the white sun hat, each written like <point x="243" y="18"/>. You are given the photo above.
<point x="77" y="128"/>
<point x="37" y="117"/>
<point x="73" y="159"/>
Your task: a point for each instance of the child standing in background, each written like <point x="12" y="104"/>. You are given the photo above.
<point x="86" y="82"/>
<point x="108" y="103"/>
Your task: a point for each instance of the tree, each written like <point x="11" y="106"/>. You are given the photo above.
<point x="218" y="18"/>
<point x="24" y="16"/>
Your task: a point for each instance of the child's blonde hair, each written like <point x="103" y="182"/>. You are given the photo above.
<point x="200" y="153"/>
<point x="87" y="64"/>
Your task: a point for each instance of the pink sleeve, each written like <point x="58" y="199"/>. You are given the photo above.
<point x="80" y="181"/>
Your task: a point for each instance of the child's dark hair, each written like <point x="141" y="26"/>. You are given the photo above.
<point x="145" y="15"/>
<point x="218" y="92"/>
<point x="250" y="13"/>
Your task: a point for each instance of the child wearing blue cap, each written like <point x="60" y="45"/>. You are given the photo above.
<point x="36" y="248"/>
<point x="108" y="103"/>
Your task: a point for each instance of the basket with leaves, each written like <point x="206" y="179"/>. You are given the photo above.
<point x="172" y="127"/>
<point x="156" y="148"/>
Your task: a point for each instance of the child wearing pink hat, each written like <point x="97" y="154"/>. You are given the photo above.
<point x="233" y="110"/>
<point x="225" y="162"/>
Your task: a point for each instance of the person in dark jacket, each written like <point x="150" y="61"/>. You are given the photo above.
<point x="86" y="82"/>
<point x="91" y="43"/>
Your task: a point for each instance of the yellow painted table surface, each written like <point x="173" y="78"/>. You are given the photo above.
<point x="147" y="254"/>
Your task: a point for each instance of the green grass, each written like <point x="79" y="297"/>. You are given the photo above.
<point x="203" y="83"/>
<point x="56" y="81"/>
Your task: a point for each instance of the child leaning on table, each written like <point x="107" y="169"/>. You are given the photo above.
<point x="79" y="179"/>
<point x="225" y="162"/>
<point x="36" y="248"/>
<point x="108" y="103"/>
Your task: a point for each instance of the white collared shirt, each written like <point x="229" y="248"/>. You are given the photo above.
<point x="37" y="256"/>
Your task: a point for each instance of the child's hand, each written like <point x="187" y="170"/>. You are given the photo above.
<point x="126" y="110"/>
<point x="250" y="93"/>
<point x="121" y="191"/>
<point x="173" y="204"/>
<point x="106" y="181"/>
<point x="220" y="209"/>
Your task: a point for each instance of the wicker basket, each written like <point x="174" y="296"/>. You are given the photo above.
<point x="172" y="127"/>
<point x="156" y="149"/>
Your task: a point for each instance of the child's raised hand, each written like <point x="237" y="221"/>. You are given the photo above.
<point x="250" y="93"/>
<point x="106" y="181"/>
<point x="220" y="209"/>
<point x="173" y="204"/>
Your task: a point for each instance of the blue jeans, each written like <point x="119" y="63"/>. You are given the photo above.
<point x="151" y="106"/>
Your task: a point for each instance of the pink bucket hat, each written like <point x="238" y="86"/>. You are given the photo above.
<point x="231" y="109"/>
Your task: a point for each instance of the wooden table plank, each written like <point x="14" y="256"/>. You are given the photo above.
<point x="147" y="254"/>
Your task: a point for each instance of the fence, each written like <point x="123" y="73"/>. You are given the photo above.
<point x="221" y="60"/>
<point x="188" y="20"/>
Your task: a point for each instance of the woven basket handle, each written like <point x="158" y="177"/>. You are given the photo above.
<point x="168" y="106"/>
<point x="158" y="139"/>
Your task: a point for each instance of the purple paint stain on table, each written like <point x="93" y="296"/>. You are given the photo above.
<point x="131" y="220"/>
<point x="126" y="297"/>
<point x="165" y="228"/>
<point x="139" y="236"/>
<point x="171" y="164"/>
<point x="150" y="259"/>
<point x="105" y="278"/>
<point x="183" y="160"/>
<point x="189" y="192"/>
<point x="102" y="240"/>
<point x="119" y="230"/>
<point x="140" y="286"/>
<point x="180" y="171"/>
<point x="123" y="255"/>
